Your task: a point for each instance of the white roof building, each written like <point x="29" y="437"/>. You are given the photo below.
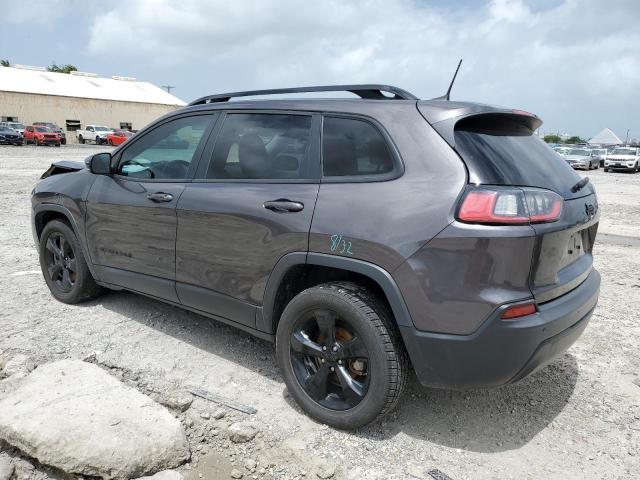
<point x="122" y="89"/>
<point x="605" y="137"/>
<point x="73" y="101"/>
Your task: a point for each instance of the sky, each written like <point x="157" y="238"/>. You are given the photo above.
<point x="575" y="63"/>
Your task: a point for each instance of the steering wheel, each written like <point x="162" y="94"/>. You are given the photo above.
<point x="176" y="169"/>
<point x="135" y="162"/>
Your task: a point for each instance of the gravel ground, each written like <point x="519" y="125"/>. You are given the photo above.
<point x="577" y="418"/>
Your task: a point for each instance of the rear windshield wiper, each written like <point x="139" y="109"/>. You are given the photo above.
<point x="580" y="185"/>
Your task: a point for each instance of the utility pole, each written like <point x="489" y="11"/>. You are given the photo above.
<point x="626" y="138"/>
<point x="168" y="88"/>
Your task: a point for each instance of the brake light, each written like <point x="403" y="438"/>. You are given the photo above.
<point x="510" y="206"/>
<point x="518" y="311"/>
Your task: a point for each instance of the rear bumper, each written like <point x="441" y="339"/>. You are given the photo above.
<point x="502" y="352"/>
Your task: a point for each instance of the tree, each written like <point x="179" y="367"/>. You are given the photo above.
<point x="552" y="139"/>
<point x="61" y="68"/>
<point x="5" y="63"/>
<point x="575" y="139"/>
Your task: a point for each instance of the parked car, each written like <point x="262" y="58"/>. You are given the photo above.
<point x="9" y="136"/>
<point x="600" y="154"/>
<point x="561" y="150"/>
<point x="55" y="128"/>
<point x="93" y="133"/>
<point x="118" y="137"/>
<point x="581" y="158"/>
<point x="17" y="126"/>
<point x="359" y="235"/>
<point x="623" y="158"/>
<point x="39" y="135"/>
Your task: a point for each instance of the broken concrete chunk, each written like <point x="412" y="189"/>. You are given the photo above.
<point x="6" y="468"/>
<point x="76" y="417"/>
<point x="164" y="475"/>
<point x="242" y="432"/>
<point x="18" y="364"/>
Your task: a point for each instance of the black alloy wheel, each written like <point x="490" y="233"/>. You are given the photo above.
<point x="61" y="262"/>
<point x="329" y="360"/>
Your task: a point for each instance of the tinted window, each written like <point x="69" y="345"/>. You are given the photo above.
<point x="353" y="147"/>
<point x="263" y="146"/>
<point x="165" y="152"/>
<point x="504" y="154"/>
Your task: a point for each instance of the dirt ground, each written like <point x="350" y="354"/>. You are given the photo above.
<point x="578" y="418"/>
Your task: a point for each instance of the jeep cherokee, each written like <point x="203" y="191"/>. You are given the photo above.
<point x="362" y="236"/>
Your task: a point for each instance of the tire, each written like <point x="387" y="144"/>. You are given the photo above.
<point x="362" y="325"/>
<point x="77" y="284"/>
<point x="63" y="141"/>
<point x="606" y="169"/>
<point x="57" y="144"/>
<point x="111" y="142"/>
<point x="98" y="141"/>
<point x="81" y="139"/>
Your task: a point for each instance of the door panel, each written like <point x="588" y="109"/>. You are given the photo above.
<point x="229" y="243"/>
<point x="128" y="231"/>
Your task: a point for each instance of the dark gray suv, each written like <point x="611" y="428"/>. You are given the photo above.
<point x="364" y="236"/>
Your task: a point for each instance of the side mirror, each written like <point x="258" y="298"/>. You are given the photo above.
<point x="100" y="164"/>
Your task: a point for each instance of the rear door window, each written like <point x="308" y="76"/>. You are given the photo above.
<point x="263" y="146"/>
<point x="354" y="148"/>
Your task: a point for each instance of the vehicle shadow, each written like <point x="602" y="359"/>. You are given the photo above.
<point x="483" y="420"/>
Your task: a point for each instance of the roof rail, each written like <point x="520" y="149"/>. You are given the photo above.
<point x="372" y="91"/>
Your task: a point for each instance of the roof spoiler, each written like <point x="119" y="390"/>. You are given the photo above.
<point x="367" y="91"/>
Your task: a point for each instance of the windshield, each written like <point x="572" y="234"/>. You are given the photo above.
<point x="42" y="129"/>
<point x="579" y="151"/>
<point x="6" y="130"/>
<point x="623" y="151"/>
<point x="17" y="126"/>
<point x="102" y="129"/>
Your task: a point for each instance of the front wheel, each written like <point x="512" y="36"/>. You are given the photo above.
<point x="63" y="265"/>
<point x="81" y="139"/>
<point x="340" y="354"/>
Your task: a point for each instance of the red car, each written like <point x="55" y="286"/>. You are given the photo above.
<point x="39" y="135"/>
<point x="118" y="137"/>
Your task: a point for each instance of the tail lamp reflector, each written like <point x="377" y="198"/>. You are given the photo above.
<point x="517" y="311"/>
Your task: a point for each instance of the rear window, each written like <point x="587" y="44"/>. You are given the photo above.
<point x="499" y="151"/>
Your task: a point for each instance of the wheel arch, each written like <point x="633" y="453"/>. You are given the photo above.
<point x="300" y="270"/>
<point x="45" y="212"/>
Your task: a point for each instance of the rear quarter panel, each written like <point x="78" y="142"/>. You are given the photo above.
<point x="386" y="222"/>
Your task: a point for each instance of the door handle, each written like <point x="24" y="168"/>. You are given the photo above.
<point x="160" y="197"/>
<point x="282" y="205"/>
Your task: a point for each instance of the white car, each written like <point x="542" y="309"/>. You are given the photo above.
<point x="94" y="133"/>
<point x="623" y="158"/>
<point x="581" y="158"/>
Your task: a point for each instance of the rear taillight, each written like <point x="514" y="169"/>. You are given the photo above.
<point x="517" y="311"/>
<point x="509" y="206"/>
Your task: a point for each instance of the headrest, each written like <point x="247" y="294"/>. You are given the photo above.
<point x="252" y="156"/>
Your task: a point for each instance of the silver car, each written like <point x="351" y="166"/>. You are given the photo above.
<point x="582" y="158"/>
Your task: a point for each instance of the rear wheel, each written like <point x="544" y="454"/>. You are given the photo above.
<point x="63" y="265"/>
<point x="340" y="354"/>
<point x="81" y="139"/>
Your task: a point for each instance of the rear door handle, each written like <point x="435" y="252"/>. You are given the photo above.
<point x="160" y="197"/>
<point x="283" y="205"/>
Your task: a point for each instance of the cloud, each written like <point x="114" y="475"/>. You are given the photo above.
<point x="565" y="60"/>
